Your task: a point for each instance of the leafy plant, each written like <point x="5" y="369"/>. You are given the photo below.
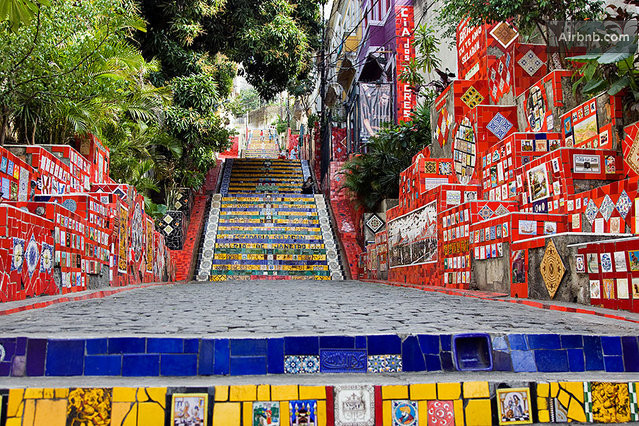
<point x="374" y="176"/>
<point x="614" y="70"/>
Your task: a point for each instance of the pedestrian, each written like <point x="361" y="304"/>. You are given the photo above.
<point x="307" y="187"/>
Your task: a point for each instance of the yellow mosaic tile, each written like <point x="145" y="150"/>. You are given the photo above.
<point x="321" y="413"/>
<point x="576" y="389"/>
<point x="50" y="412"/>
<point x="423" y="391"/>
<point x="247" y="413"/>
<point x="395" y="392"/>
<point x="124" y="394"/>
<point x="387" y="411"/>
<point x="48" y="393"/>
<point x="227" y="414"/>
<point x="14" y="422"/>
<point x="284" y="392"/>
<point x="243" y="393"/>
<point x="150" y="413"/>
<point x="15" y="404"/>
<point x="544" y="416"/>
<point x="478" y="412"/>
<point x="542" y="403"/>
<point x="448" y="391"/>
<point x="263" y="393"/>
<point x="285" y="413"/>
<point x="554" y="389"/>
<point x="312" y="392"/>
<point x="563" y="397"/>
<point x="610" y="402"/>
<point x="157" y="394"/>
<point x="29" y="412"/>
<point x="61" y="392"/>
<point x="458" y="405"/>
<point x="543" y="390"/>
<point x="576" y="411"/>
<point x="33" y="393"/>
<point x="221" y="393"/>
<point x="476" y="390"/>
<point x="422" y="409"/>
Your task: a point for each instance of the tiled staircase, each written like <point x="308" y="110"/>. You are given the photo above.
<point x="260" y="145"/>
<point x="261" y="227"/>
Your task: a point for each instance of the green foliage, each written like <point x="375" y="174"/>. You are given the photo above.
<point x="374" y="176"/>
<point x="613" y="71"/>
<point x="526" y="15"/>
<point x="245" y="101"/>
<point x="281" y="125"/>
<point x="425" y="61"/>
<point x="20" y="12"/>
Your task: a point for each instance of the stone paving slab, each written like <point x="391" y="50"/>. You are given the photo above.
<point x="297" y="307"/>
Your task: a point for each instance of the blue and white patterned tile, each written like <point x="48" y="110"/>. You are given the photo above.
<point x="624" y="203"/>
<point x="607" y="207"/>
<point x="499" y="126"/>
<point x="591" y="211"/>
<point x="384" y="364"/>
<point x="301" y="364"/>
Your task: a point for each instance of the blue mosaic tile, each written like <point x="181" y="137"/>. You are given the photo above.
<point x="342" y="361"/>
<point x="384" y="345"/>
<point x="301" y="364"/>
<point x="613" y="363"/>
<point x="191" y="346"/>
<point x="593" y="353"/>
<point x="21" y="346"/>
<point x="96" y="346"/>
<point x="572" y="341"/>
<point x="611" y="345"/>
<point x="446" y="359"/>
<point x="446" y="341"/>
<point x="576" y="360"/>
<point x="178" y="365"/>
<point x="384" y="364"/>
<point x="37" y="352"/>
<point x="5" y="369"/>
<point x="301" y="345"/>
<point x="412" y="356"/>
<point x="518" y="342"/>
<point x="275" y="357"/>
<point x="244" y="366"/>
<point x="127" y="345"/>
<point x="360" y="342"/>
<point x="248" y="347"/>
<point x="140" y="365"/>
<point x="221" y="357"/>
<point x="500" y="343"/>
<point x="433" y="363"/>
<point x="551" y="360"/>
<point x="502" y="361"/>
<point x="337" y="342"/>
<point x="207" y="357"/>
<point x="429" y="343"/>
<point x="523" y="361"/>
<point x="164" y="345"/>
<point x="103" y="365"/>
<point x="630" y="353"/>
<point x="544" y="341"/>
<point x="65" y="358"/>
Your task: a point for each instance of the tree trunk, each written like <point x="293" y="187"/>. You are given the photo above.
<point x="5" y="123"/>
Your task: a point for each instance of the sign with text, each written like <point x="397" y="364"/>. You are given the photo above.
<point x="471" y="47"/>
<point x="404" y="29"/>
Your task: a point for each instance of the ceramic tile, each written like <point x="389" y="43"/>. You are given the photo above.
<point x="405" y="413"/>
<point x="513" y="406"/>
<point x="441" y="413"/>
<point x="552" y="269"/>
<point x="384" y="363"/>
<point x="301" y="364"/>
<point x="354" y="405"/>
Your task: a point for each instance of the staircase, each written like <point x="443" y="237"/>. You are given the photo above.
<point x="262" y="227"/>
<point x="260" y="145"/>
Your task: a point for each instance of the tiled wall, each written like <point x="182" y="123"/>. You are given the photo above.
<point x="456" y="403"/>
<point x="139" y="356"/>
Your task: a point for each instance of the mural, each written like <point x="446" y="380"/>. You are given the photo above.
<point x="412" y="238"/>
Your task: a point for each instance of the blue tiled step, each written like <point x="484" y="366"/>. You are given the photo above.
<point x="176" y="356"/>
<point x="251" y="262"/>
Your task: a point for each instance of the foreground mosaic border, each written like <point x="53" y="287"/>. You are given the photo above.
<point x="466" y="403"/>
<point x="377" y="354"/>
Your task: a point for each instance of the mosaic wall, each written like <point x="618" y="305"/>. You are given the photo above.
<point x="455" y="403"/>
<point x="65" y="230"/>
<point x="521" y="163"/>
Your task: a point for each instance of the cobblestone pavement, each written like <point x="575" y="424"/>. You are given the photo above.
<point x="272" y="308"/>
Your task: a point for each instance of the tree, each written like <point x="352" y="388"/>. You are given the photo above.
<point x="245" y="101"/>
<point x="526" y="15"/>
<point x="20" y="12"/>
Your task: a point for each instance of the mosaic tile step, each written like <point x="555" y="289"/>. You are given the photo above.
<point x="261" y="256"/>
